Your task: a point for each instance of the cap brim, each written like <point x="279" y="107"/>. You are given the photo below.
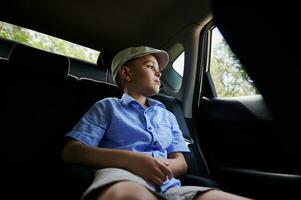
<point x="161" y="56"/>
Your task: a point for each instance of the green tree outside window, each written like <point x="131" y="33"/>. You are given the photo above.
<point x="47" y="43"/>
<point x="229" y="77"/>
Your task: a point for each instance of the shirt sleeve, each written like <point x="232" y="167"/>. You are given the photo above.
<point x="91" y="127"/>
<point x="178" y="143"/>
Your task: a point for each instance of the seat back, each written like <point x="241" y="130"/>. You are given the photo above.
<point x="3" y="67"/>
<point x="92" y="91"/>
<point x="6" y="46"/>
<point x="38" y="109"/>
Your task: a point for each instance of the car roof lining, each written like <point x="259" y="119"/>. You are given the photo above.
<point x="102" y="24"/>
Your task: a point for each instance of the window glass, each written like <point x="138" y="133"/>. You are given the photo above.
<point x="172" y="74"/>
<point x="47" y="43"/>
<point x="178" y="64"/>
<point x="229" y="77"/>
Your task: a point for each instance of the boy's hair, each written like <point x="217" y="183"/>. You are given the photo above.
<point x="128" y="54"/>
<point x="118" y="80"/>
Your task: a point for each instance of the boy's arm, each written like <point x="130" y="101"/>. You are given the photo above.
<point x="177" y="163"/>
<point x="143" y="165"/>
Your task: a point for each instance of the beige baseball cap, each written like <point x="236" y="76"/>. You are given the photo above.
<point x="130" y="53"/>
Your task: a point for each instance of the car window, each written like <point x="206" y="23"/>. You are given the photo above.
<point x="47" y="43"/>
<point x="178" y="64"/>
<point x="172" y="75"/>
<point x="229" y="77"/>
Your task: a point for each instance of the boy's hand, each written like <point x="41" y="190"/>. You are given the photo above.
<point x="162" y="161"/>
<point x="151" y="169"/>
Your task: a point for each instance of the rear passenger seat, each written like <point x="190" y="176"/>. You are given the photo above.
<point x="41" y="103"/>
<point x="92" y="91"/>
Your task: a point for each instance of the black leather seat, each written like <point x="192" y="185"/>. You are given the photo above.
<point x="38" y="108"/>
<point x="6" y="46"/>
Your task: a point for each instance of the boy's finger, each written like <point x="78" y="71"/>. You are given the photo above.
<point x="157" y="181"/>
<point x="163" y="161"/>
<point x="166" y="170"/>
<point x="160" y="175"/>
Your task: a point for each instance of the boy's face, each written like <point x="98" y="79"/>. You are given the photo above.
<point x="144" y="76"/>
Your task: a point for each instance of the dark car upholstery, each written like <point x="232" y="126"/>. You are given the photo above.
<point x="38" y="108"/>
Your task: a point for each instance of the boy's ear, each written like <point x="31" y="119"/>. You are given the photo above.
<point x="125" y="73"/>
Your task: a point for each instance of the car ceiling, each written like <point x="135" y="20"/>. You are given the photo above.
<point x="107" y="24"/>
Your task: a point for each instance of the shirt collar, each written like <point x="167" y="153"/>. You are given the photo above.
<point x="152" y="102"/>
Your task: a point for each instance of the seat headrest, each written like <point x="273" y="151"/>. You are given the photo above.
<point x="32" y="62"/>
<point x="105" y="59"/>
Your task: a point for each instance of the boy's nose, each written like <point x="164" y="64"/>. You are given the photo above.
<point x="158" y="74"/>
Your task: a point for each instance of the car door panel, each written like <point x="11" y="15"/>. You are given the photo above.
<point x="244" y="152"/>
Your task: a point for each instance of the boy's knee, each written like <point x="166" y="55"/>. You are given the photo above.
<point x="126" y="191"/>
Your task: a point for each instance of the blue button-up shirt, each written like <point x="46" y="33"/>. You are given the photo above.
<point x="125" y="124"/>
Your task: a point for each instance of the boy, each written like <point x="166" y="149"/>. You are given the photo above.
<point x="134" y="142"/>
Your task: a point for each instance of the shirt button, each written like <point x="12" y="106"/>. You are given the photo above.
<point x="155" y="143"/>
<point x="149" y="128"/>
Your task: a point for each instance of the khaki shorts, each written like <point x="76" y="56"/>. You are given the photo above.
<point x="104" y="177"/>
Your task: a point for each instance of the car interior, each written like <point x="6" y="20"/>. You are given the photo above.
<point x="245" y="145"/>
